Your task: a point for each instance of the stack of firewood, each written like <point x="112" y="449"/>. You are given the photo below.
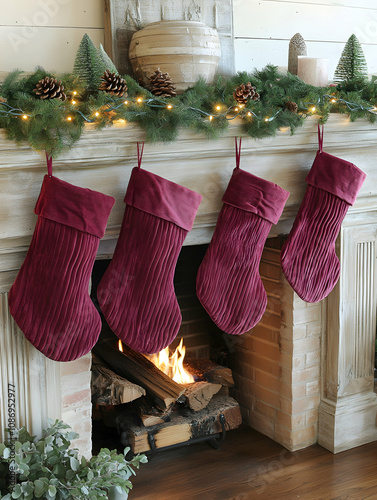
<point x="148" y="401"/>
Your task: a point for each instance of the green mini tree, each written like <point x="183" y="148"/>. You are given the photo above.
<point x="106" y="61"/>
<point x="90" y="64"/>
<point x="352" y="63"/>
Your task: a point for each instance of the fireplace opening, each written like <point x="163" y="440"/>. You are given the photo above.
<point x="137" y="404"/>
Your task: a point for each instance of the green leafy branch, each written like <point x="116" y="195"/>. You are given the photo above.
<point x="48" y="468"/>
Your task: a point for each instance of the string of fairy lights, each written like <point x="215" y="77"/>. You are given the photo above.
<point x="220" y="110"/>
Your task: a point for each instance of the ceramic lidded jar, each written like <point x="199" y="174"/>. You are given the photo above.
<point x="184" y="49"/>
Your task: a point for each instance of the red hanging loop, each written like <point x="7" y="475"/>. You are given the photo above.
<point x="49" y="164"/>
<point x="140" y="151"/>
<point x="238" y="152"/>
<point x="320" y="137"/>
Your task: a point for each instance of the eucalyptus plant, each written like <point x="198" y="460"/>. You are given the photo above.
<point x="48" y="468"/>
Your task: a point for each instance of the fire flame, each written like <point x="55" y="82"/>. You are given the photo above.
<point x="173" y="365"/>
<point x="120" y="345"/>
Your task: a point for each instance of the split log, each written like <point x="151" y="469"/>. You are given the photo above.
<point x="199" y="394"/>
<point x="181" y="428"/>
<point x="147" y="413"/>
<point x="150" y="420"/>
<point x="108" y="388"/>
<point x="138" y="369"/>
<point x="204" y="369"/>
<point x="224" y="391"/>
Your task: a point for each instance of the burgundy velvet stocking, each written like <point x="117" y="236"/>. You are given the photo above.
<point x="308" y="256"/>
<point x="136" y="293"/>
<point x="49" y="299"/>
<point x="228" y="282"/>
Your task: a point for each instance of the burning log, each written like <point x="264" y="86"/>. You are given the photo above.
<point x="136" y="368"/>
<point x="204" y="369"/>
<point x="199" y="394"/>
<point x="172" y="364"/>
<point x="108" y="388"/>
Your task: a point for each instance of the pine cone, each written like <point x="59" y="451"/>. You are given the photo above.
<point x="113" y="84"/>
<point x="161" y="85"/>
<point x="246" y="92"/>
<point x="50" y="88"/>
<point x="291" y="106"/>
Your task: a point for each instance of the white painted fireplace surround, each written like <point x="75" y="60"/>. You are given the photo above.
<point x="332" y="343"/>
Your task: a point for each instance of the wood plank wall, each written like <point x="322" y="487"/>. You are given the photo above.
<point x="263" y="28"/>
<point x="47" y="32"/>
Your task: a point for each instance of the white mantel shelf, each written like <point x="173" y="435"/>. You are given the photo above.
<point x="102" y="160"/>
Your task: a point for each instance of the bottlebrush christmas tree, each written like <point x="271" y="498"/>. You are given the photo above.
<point x="106" y="61"/>
<point x="352" y="63"/>
<point x="89" y="64"/>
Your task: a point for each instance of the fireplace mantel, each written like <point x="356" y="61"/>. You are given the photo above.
<point x="103" y="160"/>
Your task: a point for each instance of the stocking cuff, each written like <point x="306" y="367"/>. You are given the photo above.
<point x="253" y="194"/>
<point x="336" y="176"/>
<point x="73" y="206"/>
<point x="165" y="199"/>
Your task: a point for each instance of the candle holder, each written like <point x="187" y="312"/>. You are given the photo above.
<point x="313" y="71"/>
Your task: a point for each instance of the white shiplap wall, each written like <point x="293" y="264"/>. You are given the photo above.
<point x="47" y="32"/>
<point x="263" y="28"/>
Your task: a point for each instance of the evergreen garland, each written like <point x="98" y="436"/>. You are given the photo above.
<point x="52" y="125"/>
<point x="42" y="124"/>
<point x="352" y="64"/>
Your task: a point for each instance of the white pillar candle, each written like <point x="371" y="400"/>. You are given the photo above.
<point x="313" y="71"/>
